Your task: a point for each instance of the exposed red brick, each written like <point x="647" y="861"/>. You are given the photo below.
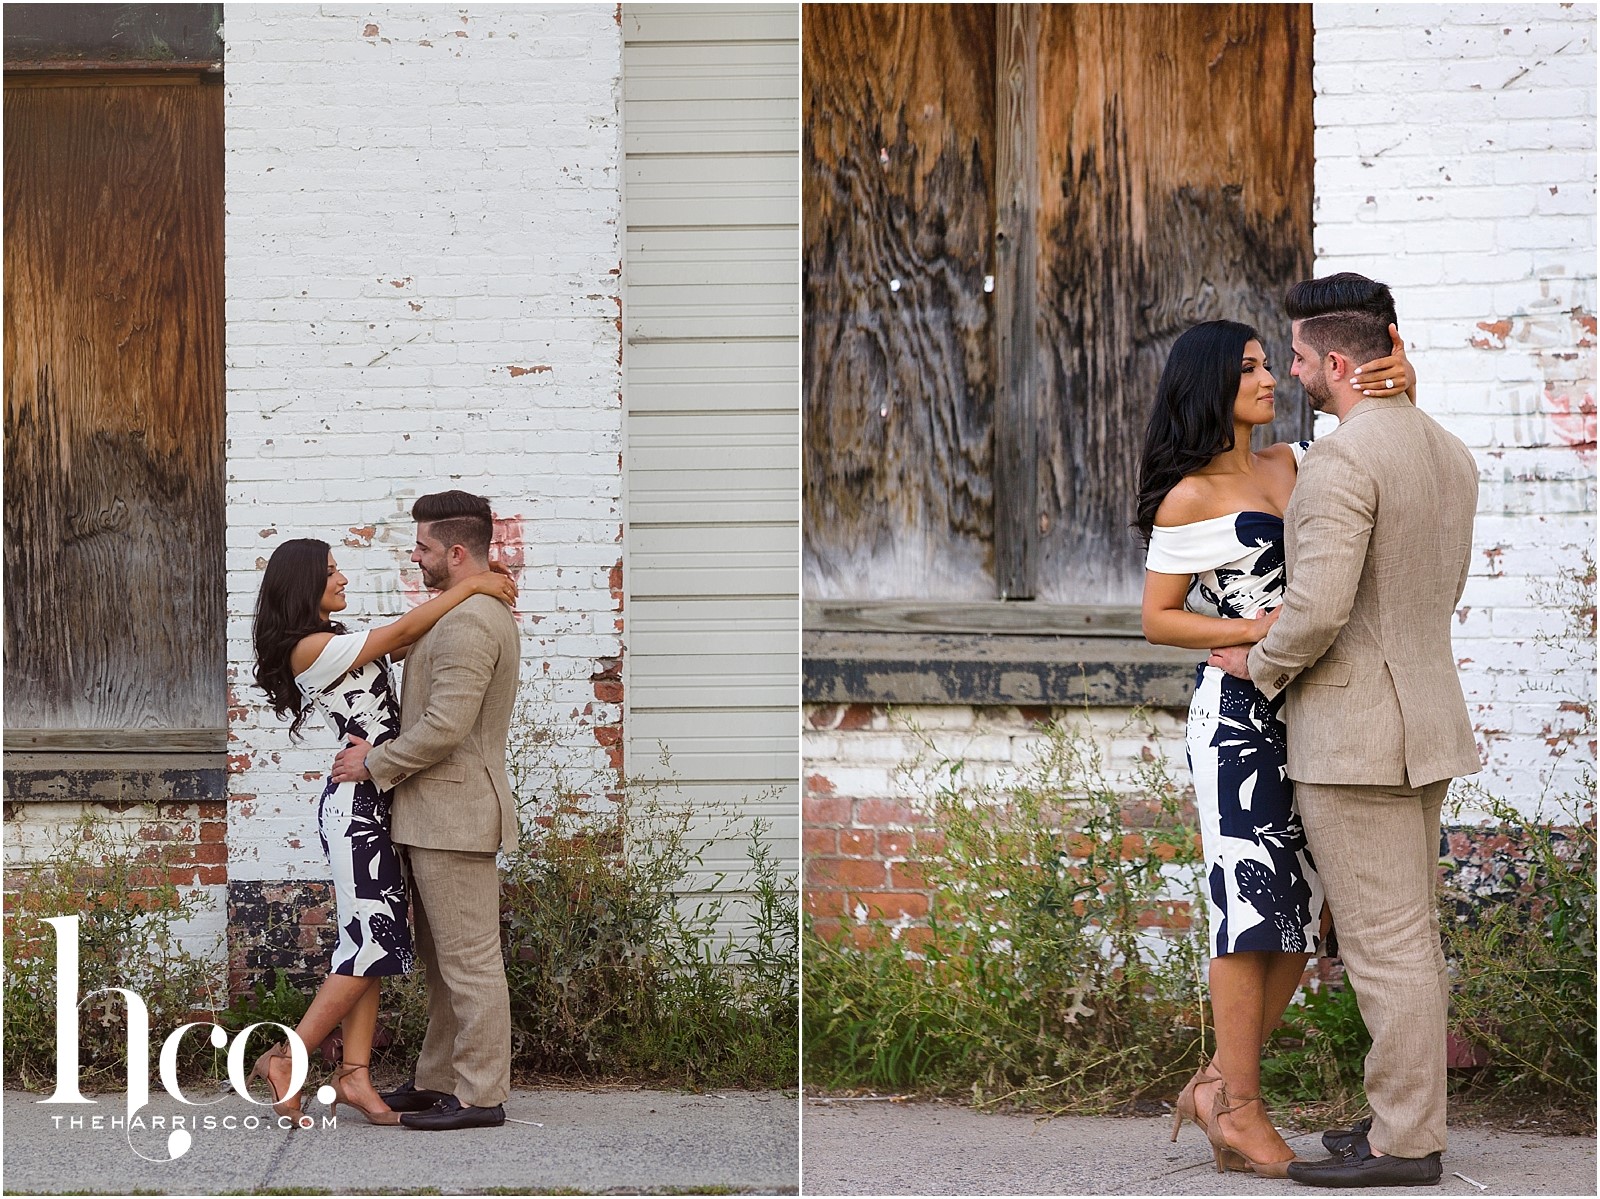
<point x="892" y="905"/>
<point x="212" y="874"/>
<point x="608" y="692"/>
<point x="828" y="930"/>
<point x="896" y="844"/>
<point x="862" y="873"/>
<point x="819" y="784"/>
<point x="907" y="876"/>
<point x="213" y="830"/>
<point x="826" y="716"/>
<point x="825" y="809"/>
<point x="825" y="903"/>
<point x="857" y="842"/>
<point x="885" y="812"/>
<point x="856" y="716"/>
<point x="819" y="842"/>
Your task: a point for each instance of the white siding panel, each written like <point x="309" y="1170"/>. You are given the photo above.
<point x="711" y="398"/>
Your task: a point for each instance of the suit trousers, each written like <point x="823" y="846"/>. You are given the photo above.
<point x="1377" y="850"/>
<point x="456" y="906"/>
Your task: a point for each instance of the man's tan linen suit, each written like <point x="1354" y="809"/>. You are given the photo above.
<point x="452" y="808"/>
<point x="1378" y="540"/>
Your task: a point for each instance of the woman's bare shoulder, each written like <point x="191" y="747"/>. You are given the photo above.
<point x="306" y="650"/>
<point x="1192" y="498"/>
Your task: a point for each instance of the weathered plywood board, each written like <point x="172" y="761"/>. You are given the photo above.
<point x="114" y="607"/>
<point x="897" y="178"/>
<point x="1175" y="172"/>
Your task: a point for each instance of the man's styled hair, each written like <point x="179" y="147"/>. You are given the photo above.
<point x="1347" y="313"/>
<point x="457" y="518"/>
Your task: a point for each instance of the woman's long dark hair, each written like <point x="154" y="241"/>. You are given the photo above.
<point x="288" y="608"/>
<point x="1191" y="421"/>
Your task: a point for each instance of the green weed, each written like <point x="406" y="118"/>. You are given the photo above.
<point x="1043" y="983"/>
<point x="127" y="937"/>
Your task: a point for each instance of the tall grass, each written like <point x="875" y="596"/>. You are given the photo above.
<point x="1045" y="982"/>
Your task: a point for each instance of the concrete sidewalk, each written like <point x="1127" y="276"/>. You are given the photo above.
<point x="564" y="1141"/>
<point x="875" y="1148"/>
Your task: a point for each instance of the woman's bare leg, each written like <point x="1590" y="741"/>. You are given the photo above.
<point x="338" y="996"/>
<point x="359" y="1028"/>
<point x="1284" y="972"/>
<point x="1246" y="989"/>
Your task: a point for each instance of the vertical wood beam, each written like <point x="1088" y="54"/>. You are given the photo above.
<point x="1016" y="291"/>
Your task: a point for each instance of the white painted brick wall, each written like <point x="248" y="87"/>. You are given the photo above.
<point x="422" y="293"/>
<point x="897" y="754"/>
<point x="1455" y="160"/>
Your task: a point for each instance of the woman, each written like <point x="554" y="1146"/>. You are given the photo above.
<point x="1211" y="510"/>
<point x="305" y="660"/>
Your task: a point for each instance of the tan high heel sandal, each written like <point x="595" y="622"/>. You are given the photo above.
<point x="1187" y="1109"/>
<point x="1221" y="1148"/>
<point x="379" y="1116"/>
<point x="282" y="1105"/>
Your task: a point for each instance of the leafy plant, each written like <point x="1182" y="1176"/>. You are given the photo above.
<point x="1318" y="1054"/>
<point x="1520" y="929"/>
<point x="626" y="957"/>
<point x="1044" y="981"/>
<point x="129" y="912"/>
<point x="1522" y="950"/>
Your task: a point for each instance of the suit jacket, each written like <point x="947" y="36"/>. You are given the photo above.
<point x="447" y="768"/>
<point x="1378" y="539"/>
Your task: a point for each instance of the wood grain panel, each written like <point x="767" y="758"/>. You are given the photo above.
<point x="897" y="180"/>
<point x="114" y="407"/>
<point x="1175" y="165"/>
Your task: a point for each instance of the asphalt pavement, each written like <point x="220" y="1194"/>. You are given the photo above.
<point x="612" y="1141"/>
<point x="932" y="1148"/>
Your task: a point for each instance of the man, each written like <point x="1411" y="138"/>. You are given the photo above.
<point x="1378" y="539"/>
<point x="452" y="809"/>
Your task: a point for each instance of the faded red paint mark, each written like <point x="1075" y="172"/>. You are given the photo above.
<point x="398" y="283"/>
<point x="518" y="371"/>
<point x="1494" y="553"/>
<point x="1572" y="422"/>
<point x="370" y="31"/>
<point x="238" y="763"/>
<point x="414" y="306"/>
<point x="507" y="545"/>
<point x="269" y="532"/>
<point x="1498" y="331"/>
<point x="361" y="536"/>
<point x="1462" y="614"/>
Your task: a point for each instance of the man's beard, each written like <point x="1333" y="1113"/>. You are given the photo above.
<point x="1318" y="396"/>
<point x="434" y="582"/>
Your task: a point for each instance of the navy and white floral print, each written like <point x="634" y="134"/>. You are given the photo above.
<point x="1262" y="887"/>
<point x="369" y="880"/>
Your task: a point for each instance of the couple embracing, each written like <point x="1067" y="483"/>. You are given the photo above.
<point x="419" y="794"/>
<point x="1329" y="719"/>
